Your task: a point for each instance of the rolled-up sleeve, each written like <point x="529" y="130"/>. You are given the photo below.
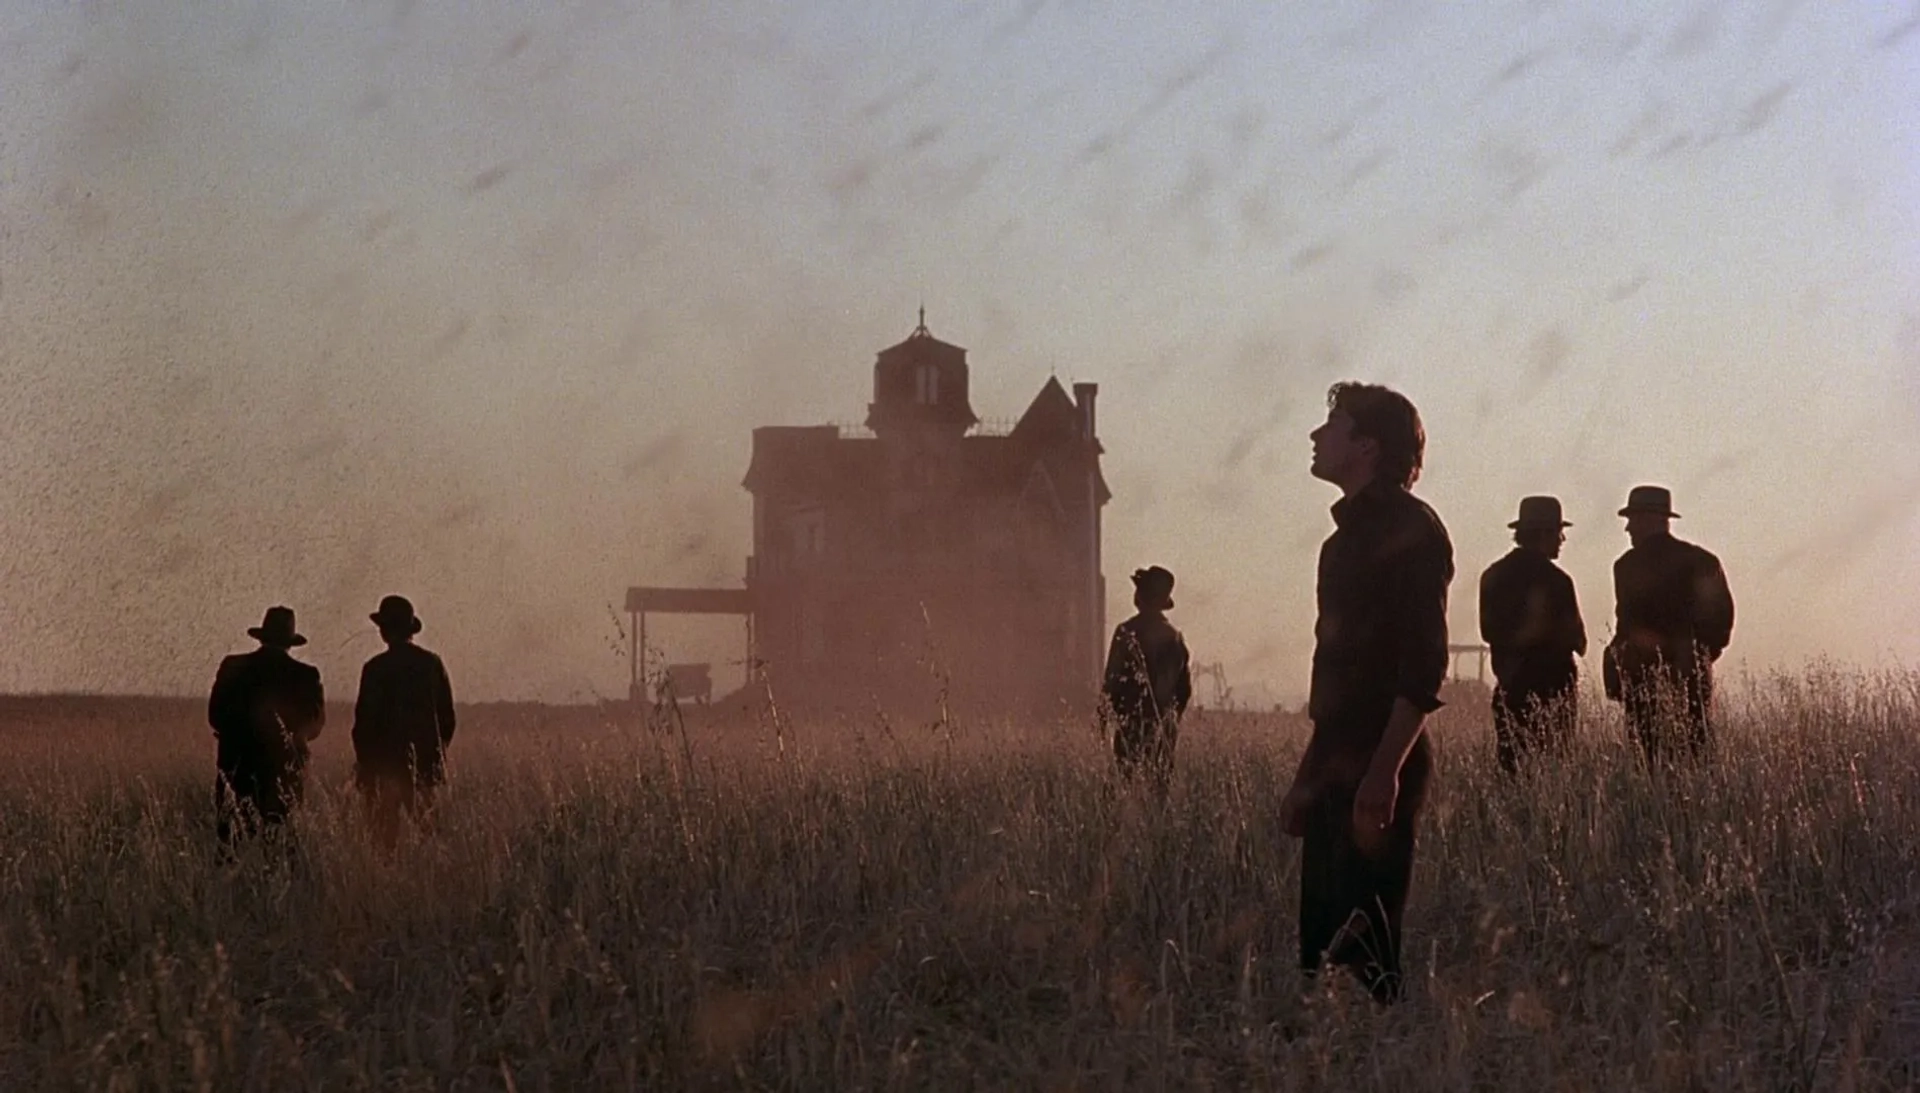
<point x="1421" y="665"/>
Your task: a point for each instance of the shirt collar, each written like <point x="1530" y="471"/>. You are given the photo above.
<point x="1370" y="498"/>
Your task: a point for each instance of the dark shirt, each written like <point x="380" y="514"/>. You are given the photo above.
<point x="1530" y="619"/>
<point x="1671" y="598"/>
<point x="1382" y="628"/>
<point x="1148" y="676"/>
<point x="264" y="708"/>
<point x="403" y="718"/>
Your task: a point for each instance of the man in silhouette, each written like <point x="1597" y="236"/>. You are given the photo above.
<point x="1530" y="620"/>
<point x="1673" y="618"/>
<point x="265" y="709"/>
<point x="1379" y="657"/>
<point x="1148" y="681"/>
<point x="402" y="723"/>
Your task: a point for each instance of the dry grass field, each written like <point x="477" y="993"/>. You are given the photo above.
<point x="861" y="906"/>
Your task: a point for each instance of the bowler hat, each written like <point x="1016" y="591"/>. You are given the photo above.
<point x="396" y="613"/>
<point x="1539" y="512"/>
<point x="1657" y="500"/>
<point x="1156" y="583"/>
<point x="276" y="628"/>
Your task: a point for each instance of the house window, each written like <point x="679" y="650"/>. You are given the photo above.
<point x="926" y="385"/>
<point x="809" y="534"/>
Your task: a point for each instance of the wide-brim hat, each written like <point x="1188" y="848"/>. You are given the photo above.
<point x="396" y="613"/>
<point x="277" y="628"/>
<point x="1657" y="500"/>
<point x="1539" y="512"/>
<point x="1155" y="582"/>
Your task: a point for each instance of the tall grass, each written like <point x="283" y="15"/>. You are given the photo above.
<point x="865" y="906"/>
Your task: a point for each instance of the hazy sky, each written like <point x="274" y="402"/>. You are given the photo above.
<point x="309" y="303"/>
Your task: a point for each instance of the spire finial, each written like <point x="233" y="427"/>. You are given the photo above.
<point x="922" y="330"/>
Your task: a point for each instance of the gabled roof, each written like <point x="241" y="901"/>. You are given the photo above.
<point x="1050" y="417"/>
<point x="815" y="462"/>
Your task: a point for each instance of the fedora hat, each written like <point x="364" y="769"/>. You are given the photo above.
<point x="1654" y="499"/>
<point x="396" y="613"/>
<point x="1539" y="512"/>
<point x="1157" y="584"/>
<point x="276" y="628"/>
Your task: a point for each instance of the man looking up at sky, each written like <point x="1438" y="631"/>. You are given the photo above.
<point x="1380" y="655"/>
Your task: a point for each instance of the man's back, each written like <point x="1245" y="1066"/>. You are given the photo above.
<point x="264" y="708"/>
<point x="1671" y="595"/>
<point x="1530" y="616"/>
<point x="404" y="715"/>
<point x="1147" y="672"/>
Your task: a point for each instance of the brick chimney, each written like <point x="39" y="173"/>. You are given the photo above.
<point x="1083" y="396"/>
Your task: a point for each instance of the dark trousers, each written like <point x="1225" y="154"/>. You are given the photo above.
<point x="1531" y="717"/>
<point x="391" y="796"/>
<point x="1144" y="746"/>
<point x="1669" y="712"/>
<point x="1353" y="893"/>
<point x="249" y="801"/>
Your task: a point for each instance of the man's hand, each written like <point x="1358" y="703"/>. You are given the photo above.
<point x="1294" y="809"/>
<point x="1373" y="803"/>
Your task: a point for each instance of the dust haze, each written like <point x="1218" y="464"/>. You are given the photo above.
<point x="482" y="304"/>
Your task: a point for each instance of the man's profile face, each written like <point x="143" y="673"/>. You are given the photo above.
<point x="1643" y="525"/>
<point x="1339" y="455"/>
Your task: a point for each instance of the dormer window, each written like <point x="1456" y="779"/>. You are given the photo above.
<point x="926" y="385"/>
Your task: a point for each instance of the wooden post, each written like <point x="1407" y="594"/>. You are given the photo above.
<point x="633" y="655"/>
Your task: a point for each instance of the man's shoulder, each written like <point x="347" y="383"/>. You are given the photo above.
<point x="1699" y="554"/>
<point x="1504" y="565"/>
<point x="417" y="656"/>
<point x="1149" y="627"/>
<point x="1414" y="512"/>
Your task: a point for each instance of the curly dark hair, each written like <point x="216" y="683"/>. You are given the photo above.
<point x="1389" y="419"/>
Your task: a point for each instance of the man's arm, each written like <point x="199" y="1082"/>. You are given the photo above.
<point x="443" y="700"/>
<point x="1116" y="672"/>
<point x="1421" y="610"/>
<point x="1495" y="627"/>
<point x="1122" y="682"/>
<point x="1573" y="627"/>
<point x="1373" y="803"/>
<point x="220" y="699"/>
<point x="1183" y="684"/>
<point x="316" y="711"/>
<point x="365" y="709"/>
<point x="1626" y="613"/>
<point x="1713" y="607"/>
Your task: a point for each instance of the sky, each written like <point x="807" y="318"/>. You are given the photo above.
<point x="480" y="302"/>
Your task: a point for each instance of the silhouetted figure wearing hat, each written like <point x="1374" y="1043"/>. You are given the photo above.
<point x="1379" y="657"/>
<point x="402" y="724"/>
<point x="1148" y="681"/>
<point x="1530" y="620"/>
<point x="265" y="708"/>
<point x="1673" y="619"/>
